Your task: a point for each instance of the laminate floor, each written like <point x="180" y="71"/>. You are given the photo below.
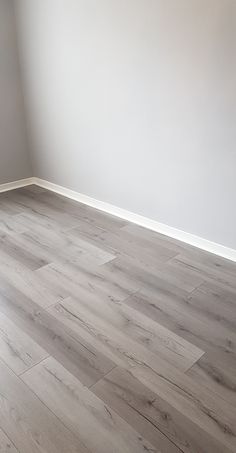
<point x="113" y="338"/>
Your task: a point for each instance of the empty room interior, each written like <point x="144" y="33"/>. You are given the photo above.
<point x="117" y="226"/>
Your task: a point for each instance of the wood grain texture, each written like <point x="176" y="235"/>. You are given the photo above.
<point x="115" y="324"/>
<point x="221" y="276"/>
<point x="28" y="423"/>
<point x="6" y="446"/>
<point x="80" y="357"/>
<point x="176" y="312"/>
<point x="27" y="282"/>
<point x="152" y="415"/>
<point x="113" y="338"/>
<point x="82" y="412"/>
<point x="17" y="349"/>
<point x="197" y="403"/>
<point x="22" y="253"/>
<point x="9" y="224"/>
<point x="217" y="373"/>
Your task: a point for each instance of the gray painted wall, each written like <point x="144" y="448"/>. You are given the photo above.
<point x="133" y="102"/>
<point x="14" y="157"/>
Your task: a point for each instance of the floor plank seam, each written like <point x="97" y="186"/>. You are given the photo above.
<point x="53" y="413"/>
<point x="102" y="377"/>
<point x="34" y="365"/>
<point x="139" y="413"/>
<point x="7" y="436"/>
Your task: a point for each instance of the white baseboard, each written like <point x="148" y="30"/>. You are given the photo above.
<point x="16" y="184"/>
<point x="145" y="222"/>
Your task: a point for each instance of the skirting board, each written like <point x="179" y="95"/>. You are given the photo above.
<point x="145" y="222"/>
<point x="16" y="184"/>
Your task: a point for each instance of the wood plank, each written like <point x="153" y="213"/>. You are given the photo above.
<point x="210" y="260"/>
<point x="208" y="273"/>
<point x="216" y="304"/>
<point x="11" y="246"/>
<point x="59" y="203"/>
<point x="27" y="203"/>
<point x="28" y="423"/>
<point x="84" y="273"/>
<point x="102" y="219"/>
<point x="217" y="373"/>
<point x="152" y="416"/>
<point x="45" y="250"/>
<point x="112" y="329"/>
<point x="126" y="244"/>
<point x="82" y="412"/>
<point x="32" y="218"/>
<point x="210" y="413"/>
<point x="158" y="339"/>
<point x="9" y="224"/>
<point x="78" y="356"/>
<point x="8" y="206"/>
<point x="82" y="211"/>
<point x="17" y="349"/>
<point x="156" y="239"/>
<point x="217" y="368"/>
<point x="120" y="349"/>
<point x="28" y="282"/>
<point x="153" y="276"/>
<point x="55" y="245"/>
<point x="176" y="313"/>
<point x="6" y="446"/>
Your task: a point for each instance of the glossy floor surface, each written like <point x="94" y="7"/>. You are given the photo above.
<point x="113" y="338"/>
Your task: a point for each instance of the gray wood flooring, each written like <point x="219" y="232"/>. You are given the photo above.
<point x="113" y="338"/>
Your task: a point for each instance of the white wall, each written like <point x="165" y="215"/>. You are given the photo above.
<point x="133" y="102"/>
<point x="14" y="157"/>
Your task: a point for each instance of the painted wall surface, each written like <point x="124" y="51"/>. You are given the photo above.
<point x="133" y="102"/>
<point x="14" y="157"/>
